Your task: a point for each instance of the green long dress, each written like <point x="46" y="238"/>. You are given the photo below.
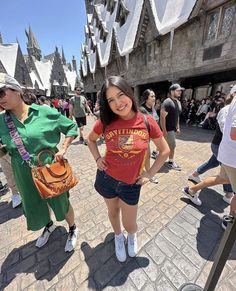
<point x="41" y="130"/>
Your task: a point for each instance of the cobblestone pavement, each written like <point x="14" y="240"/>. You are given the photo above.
<point x="177" y="240"/>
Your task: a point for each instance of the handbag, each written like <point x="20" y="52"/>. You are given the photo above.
<point x="51" y="180"/>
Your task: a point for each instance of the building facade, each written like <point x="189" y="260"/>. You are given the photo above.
<point x="50" y="75"/>
<point x="153" y="43"/>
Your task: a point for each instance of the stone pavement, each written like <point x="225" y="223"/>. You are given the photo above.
<point x="177" y="240"/>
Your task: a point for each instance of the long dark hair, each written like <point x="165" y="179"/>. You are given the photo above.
<point x="106" y="114"/>
<point x="145" y="96"/>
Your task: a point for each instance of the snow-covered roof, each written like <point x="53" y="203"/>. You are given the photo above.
<point x="44" y="69"/>
<point x="104" y="47"/>
<point x="8" y="55"/>
<point x="170" y="14"/>
<point x="71" y="77"/>
<point x="34" y="78"/>
<point x="126" y="34"/>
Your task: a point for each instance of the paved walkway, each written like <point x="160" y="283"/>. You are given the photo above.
<point x="177" y="240"/>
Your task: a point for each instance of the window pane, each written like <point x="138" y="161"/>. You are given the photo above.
<point x="213" y="23"/>
<point x="227" y="20"/>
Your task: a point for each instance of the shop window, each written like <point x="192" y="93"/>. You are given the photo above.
<point x="213" y="24"/>
<point x="219" y="22"/>
<point x="227" y="21"/>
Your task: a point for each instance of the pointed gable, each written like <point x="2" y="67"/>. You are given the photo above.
<point x="21" y="70"/>
<point x="63" y="57"/>
<point x="8" y="56"/>
<point x="146" y="25"/>
<point x="32" y="41"/>
<point x="58" y="74"/>
<point x="32" y="45"/>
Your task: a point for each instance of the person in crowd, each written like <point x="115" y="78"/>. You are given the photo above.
<point x="77" y="108"/>
<point x="127" y="137"/>
<point x="65" y="108"/>
<point x="227" y="151"/>
<point x="218" y="95"/>
<point x="55" y="103"/>
<point x="90" y="104"/>
<point x="36" y="134"/>
<point x="61" y="106"/>
<point x="170" y="111"/>
<point x="157" y="107"/>
<point x="5" y="162"/>
<point x="184" y="110"/>
<point x="148" y="100"/>
<point x="226" y="155"/>
<point x="202" y="110"/>
<point x="212" y="162"/>
<point x="192" y="109"/>
<point x="96" y="110"/>
<point x="43" y="101"/>
<point x="147" y="103"/>
<point x="209" y="121"/>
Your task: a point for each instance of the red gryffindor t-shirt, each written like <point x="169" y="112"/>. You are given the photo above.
<point x="126" y="146"/>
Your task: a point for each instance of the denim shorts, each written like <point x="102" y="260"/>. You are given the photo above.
<point x="109" y="187"/>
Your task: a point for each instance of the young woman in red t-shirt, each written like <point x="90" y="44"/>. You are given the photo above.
<point x="120" y="173"/>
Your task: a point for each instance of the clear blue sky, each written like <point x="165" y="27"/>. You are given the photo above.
<point x="54" y="23"/>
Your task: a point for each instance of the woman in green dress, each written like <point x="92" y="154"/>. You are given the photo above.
<point x="39" y="127"/>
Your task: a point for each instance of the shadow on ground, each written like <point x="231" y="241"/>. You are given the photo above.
<point x="45" y="263"/>
<point x="209" y="232"/>
<point x="8" y="213"/>
<point x="104" y="269"/>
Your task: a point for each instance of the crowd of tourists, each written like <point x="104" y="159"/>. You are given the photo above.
<point x="202" y="113"/>
<point x="128" y="128"/>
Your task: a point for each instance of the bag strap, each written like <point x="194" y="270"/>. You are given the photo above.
<point x="44" y="151"/>
<point x="14" y="134"/>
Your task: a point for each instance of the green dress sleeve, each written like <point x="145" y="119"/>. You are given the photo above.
<point x="67" y="126"/>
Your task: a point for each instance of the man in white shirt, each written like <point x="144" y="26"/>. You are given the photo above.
<point x="227" y="150"/>
<point x="226" y="155"/>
